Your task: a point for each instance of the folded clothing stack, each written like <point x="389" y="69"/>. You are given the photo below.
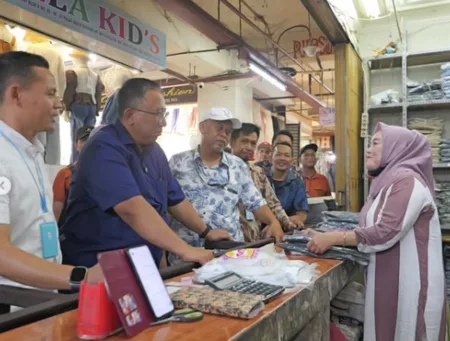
<point x="335" y="220"/>
<point x="428" y="91"/>
<point x="445" y="151"/>
<point x="447" y="268"/>
<point x="445" y="76"/>
<point x="297" y="243"/>
<point x="347" y="310"/>
<point x="442" y="190"/>
<point x="432" y="128"/>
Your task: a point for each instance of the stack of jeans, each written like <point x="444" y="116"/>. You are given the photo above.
<point x="428" y="91"/>
<point x="445" y="75"/>
<point x="432" y="128"/>
<point x="447" y="268"/>
<point x="337" y="220"/>
<point x="443" y="203"/>
<point x="297" y="243"/>
<point x="445" y="151"/>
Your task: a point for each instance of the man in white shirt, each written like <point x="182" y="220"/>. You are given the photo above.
<point x="29" y="242"/>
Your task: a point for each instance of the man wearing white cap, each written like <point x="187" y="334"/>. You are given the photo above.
<point x="216" y="182"/>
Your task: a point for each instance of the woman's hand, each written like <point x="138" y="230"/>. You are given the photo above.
<point x="321" y="242"/>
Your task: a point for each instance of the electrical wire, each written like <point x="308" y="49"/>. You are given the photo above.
<point x="396" y="19"/>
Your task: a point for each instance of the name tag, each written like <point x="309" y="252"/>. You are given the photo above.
<point x="49" y="239"/>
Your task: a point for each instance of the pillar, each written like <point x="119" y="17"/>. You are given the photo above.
<point x="235" y="95"/>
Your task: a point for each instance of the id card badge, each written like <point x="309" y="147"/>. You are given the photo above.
<point x="49" y="239"/>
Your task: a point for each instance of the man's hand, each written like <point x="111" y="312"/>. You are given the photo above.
<point x="215" y="235"/>
<point x="94" y="275"/>
<point x="274" y="230"/>
<point x="197" y="255"/>
<point x="297" y="222"/>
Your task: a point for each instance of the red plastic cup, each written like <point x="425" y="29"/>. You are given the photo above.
<point x="97" y="316"/>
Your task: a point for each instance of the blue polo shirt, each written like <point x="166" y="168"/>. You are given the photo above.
<point x="110" y="170"/>
<point x="291" y="193"/>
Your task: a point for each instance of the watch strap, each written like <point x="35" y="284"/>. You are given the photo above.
<point x="205" y="232"/>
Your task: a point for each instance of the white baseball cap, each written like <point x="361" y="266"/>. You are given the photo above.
<point x="221" y="114"/>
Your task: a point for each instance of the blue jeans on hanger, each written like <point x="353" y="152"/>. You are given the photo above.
<point x="82" y="115"/>
<point x="51" y="144"/>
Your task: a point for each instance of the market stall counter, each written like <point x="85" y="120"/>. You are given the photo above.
<point x="302" y="314"/>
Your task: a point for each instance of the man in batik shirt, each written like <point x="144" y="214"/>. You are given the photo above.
<point x="216" y="182"/>
<point x="243" y="144"/>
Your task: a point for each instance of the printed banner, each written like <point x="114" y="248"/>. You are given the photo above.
<point x="180" y="94"/>
<point x="327" y="116"/>
<point x="104" y="22"/>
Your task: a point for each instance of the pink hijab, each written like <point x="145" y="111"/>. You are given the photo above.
<point x="404" y="151"/>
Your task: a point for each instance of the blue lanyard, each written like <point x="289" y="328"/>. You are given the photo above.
<point x="40" y="188"/>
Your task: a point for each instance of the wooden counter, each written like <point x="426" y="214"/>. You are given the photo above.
<point x="301" y="315"/>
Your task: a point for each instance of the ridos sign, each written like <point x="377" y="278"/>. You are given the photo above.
<point x="102" y="21"/>
<point x="322" y="42"/>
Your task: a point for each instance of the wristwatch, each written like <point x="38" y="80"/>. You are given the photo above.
<point x="205" y="232"/>
<point x="77" y="275"/>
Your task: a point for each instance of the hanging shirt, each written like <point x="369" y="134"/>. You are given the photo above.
<point x="54" y="59"/>
<point x="111" y="170"/>
<point x="21" y="208"/>
<point x="215" y="193"/>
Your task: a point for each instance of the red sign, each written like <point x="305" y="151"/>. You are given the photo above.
<point x="322" y="42"/>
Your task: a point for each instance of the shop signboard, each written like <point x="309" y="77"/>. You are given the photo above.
<point x="320" y="41"/>
<point x="327" y="116"/>
<point x="102" y="21"/>
<point x="180" y="94"/>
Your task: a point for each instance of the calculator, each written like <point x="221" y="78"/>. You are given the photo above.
<point x="233" y="282"/>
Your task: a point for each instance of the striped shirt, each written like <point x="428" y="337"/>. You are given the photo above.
<point x="405" y="292"/>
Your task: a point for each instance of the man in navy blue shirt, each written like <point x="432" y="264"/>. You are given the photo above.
<point x="289" y="189"/>
<point x="123" y="190"/>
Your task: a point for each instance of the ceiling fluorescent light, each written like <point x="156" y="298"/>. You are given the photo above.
<point x="372" y="8"/>
<point x="272" y="80"/>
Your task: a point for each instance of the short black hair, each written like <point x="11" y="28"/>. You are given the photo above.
<point x="18" y="66"/>
<point x="132" y="91"/>
<point x="246" y="129"/>
<point x="283" y="132"/>
<point x="283" y="144"/>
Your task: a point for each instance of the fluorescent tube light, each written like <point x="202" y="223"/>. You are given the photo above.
<point x="272" y="80"/>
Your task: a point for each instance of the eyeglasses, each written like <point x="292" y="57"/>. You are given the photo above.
<point x="161" y="115"/>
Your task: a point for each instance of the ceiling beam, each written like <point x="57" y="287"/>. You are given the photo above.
<point x="325" y="18"/>
<point x="194" y="15"/>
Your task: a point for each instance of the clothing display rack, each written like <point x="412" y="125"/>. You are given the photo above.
<point x="413" y="90"/>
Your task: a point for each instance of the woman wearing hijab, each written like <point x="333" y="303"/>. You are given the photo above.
<point x="399" y="227"/>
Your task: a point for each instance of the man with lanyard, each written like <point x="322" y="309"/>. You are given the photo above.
<point x="29" y="248"/>
<point x="123" y="191"/>
<point x="243" y="144"/>
<point x="216" y="182"/>
<point x="289" y="189"/>
<point x="63" y="178"/>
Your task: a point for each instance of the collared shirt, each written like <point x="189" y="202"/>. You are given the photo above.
<point x="291" y="193"/>
<point x="317" y="185"/>
<point x="251" y="227"/>
<point x="215" y="192"/>
<point x="111" y="170"/>
<point x="267" y="166"/>
<point x="20" y="208"/>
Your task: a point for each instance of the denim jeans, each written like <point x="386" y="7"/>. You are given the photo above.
<point x="83" y="115"/>
<point x="52" y="145"/>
